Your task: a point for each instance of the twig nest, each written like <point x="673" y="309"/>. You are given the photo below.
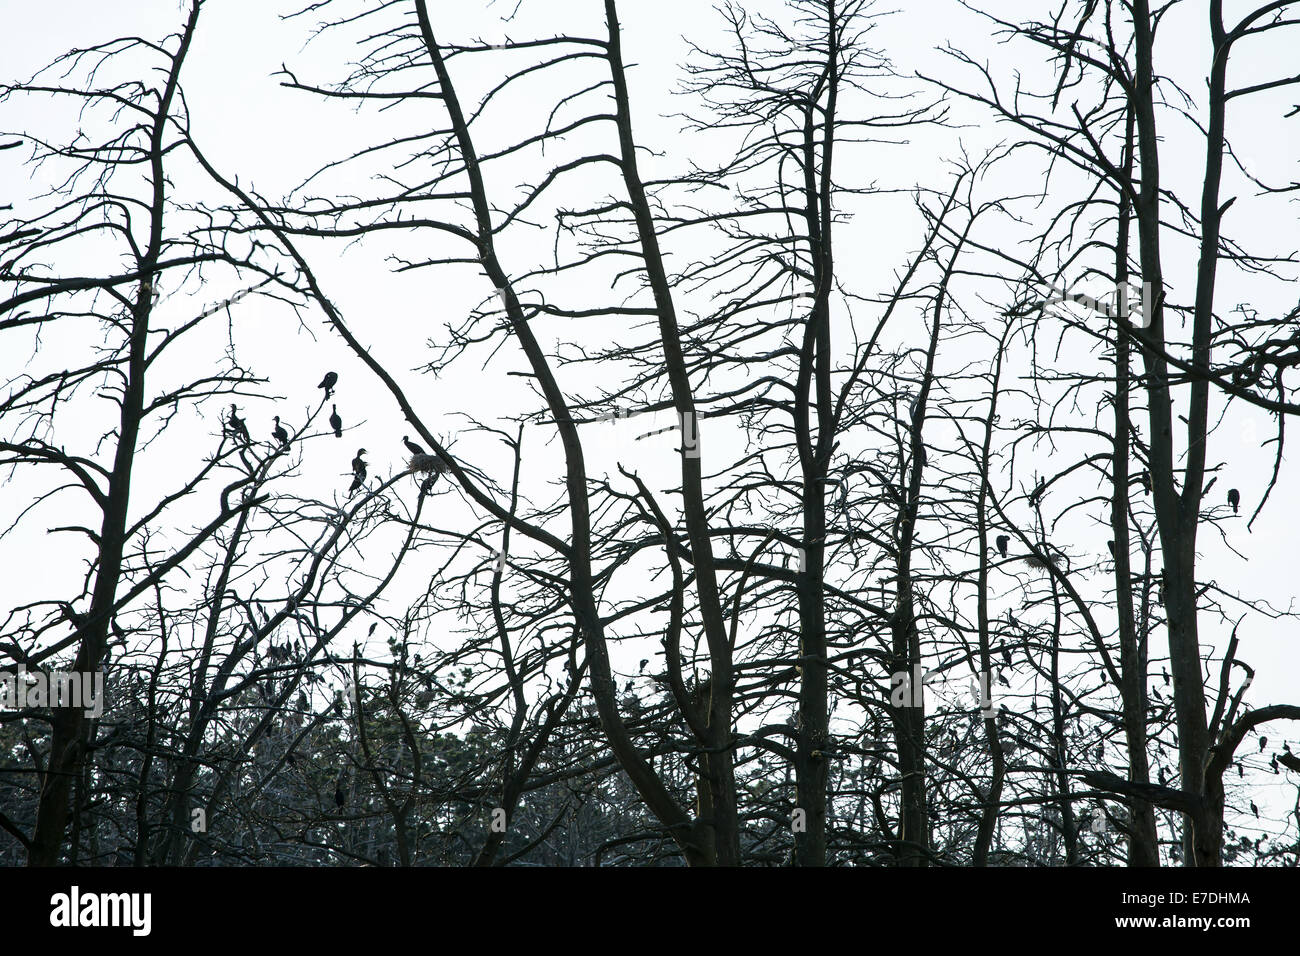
<point x="426" y="465"/>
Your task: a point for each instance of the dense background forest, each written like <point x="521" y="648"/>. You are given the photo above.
<point x="771" y="433"/>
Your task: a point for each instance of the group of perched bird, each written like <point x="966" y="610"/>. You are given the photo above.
<point x="328" y="383"/>
<point x="1234" y="499"/>
<point x="359" y="463"/>
<point x="421" y="460"/>
<point x="237" y="427"/>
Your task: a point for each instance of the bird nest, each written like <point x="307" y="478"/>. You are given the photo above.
<point x="426" y="465"/>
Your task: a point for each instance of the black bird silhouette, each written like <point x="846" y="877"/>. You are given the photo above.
<point x="1263" y="742"/>
<point x="1006" y="657"/>
<point x="1111" y="546"/>
<point x="340" y="797"/>
<point x="1003" y="541"/>
<point x="1273" y="763"/>
<point x="1144" y="480"/>
<point x="1234" y="499"/>
<point x="358" y="471"/>
<point x="280" y="434"/>
<point x="644" y="662"/>
<point x="411" y="446"/>
<point x="328" y="382"/>
<point x="237" y="426"/>
<point x="336" y="423"/>
<point x="1290" y="761"/>
<point x="1254" y="809"/>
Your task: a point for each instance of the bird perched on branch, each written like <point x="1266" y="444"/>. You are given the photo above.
<point x="411" y="446"/>
<point x="328" y="382"/>
<point x="1003" y="541"/>
<point x="1234" y="499"/>
<point x="336" y="423"/>
<point x="358" y="471"/>
<point x="237" y="426"/>
<point x="1038" y="491"/>
<point x="280" y="434"/>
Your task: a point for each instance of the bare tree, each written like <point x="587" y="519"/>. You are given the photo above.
<point x="98" y="251"/>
